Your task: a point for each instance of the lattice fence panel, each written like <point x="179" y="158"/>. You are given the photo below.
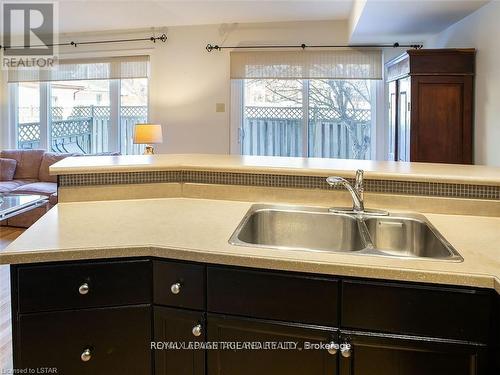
<point x="296" y="113"/>
<point x="284" y="113"/>
<point x="134" y="111"/>
<point x="67" y="128"/>
<point x="29" y="132"/>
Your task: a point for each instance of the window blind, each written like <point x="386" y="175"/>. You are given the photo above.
<point x="86" y="69"/>
<point x="346" y="63"/>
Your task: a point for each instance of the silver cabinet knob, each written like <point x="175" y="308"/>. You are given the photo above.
<point x="83" y="289"/>
<point x="175" y="288"/>
<point x="333" y="348"/>
<point x="345" y="350"/>
<point x="197" y="330"/>
<point x="86" y="355"/>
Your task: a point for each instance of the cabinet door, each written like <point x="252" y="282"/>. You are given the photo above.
<point x="83" y="342"/>
<point x="180" y="329"/>
<point x="232" y="360"/>
<point x="442" y="119"/>
<point x="364" y="353"/>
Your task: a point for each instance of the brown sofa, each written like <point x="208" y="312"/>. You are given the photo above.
<point x="31" y="176"/>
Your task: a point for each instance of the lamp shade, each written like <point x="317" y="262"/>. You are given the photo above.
<point x="147" y="134"/>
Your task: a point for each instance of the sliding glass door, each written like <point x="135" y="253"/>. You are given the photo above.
<point x="322" y="118"/>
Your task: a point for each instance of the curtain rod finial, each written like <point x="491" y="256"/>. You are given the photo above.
<point x="210" y="47"/>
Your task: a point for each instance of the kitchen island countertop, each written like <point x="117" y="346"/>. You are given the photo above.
<point x="199" y="230"/>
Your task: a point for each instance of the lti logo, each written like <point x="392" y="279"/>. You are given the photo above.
<point x="28" y="35"/>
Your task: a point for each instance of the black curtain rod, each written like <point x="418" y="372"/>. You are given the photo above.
<point x="161" y="38"/>
<point x="216" y="47"/>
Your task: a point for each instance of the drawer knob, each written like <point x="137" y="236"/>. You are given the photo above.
<point x="175" y="288"/>
<point x="197" y="330"/>
<point x="86" y="355"/>
<point x="333" y="348"/>
<point x="345" y="350"/>
<point x="83" y="289"/>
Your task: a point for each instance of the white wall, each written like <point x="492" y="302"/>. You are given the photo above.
<point x="187" y="81"/>
<point x="481" y="30"/>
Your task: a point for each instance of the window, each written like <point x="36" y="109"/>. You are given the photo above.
<point x="311" y="105"/>
<point x="81" y="115"/>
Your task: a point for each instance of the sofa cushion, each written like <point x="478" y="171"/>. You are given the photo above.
<point x="48" y="159"/>
<point x="40" y="188"/>
<point x="8" y="186"/>
<point x="7" y="169"/>
<point x="28" y="162"/>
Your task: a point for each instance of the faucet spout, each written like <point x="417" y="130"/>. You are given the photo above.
<point x="357" y="199"/>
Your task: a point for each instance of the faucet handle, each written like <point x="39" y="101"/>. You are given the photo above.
<point x="335" y="180"/>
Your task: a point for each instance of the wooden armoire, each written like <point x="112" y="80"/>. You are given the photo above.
<point x="431" y="97"/>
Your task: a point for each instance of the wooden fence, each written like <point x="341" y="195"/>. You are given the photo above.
<point x="86" y="130"/>
<point x="277" y="131"/>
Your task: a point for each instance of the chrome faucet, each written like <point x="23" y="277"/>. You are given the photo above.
<point x="356" y="191"/>
<point x="357" y="195"/>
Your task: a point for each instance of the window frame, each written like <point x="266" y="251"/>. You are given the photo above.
<point x="236" y="118"/>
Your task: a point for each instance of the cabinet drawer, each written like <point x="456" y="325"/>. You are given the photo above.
<point x="179" y="284"/>
<point x="277" y="296"/>
<point x="83" y="285"/>
<point x="117" y="340"/>
<point x="417" y="310"/>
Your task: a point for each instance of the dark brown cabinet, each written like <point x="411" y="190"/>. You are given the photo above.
<point x="223" y="320"/>
<point x="375" y="353"/>
<point x="431" y="96"/>
<point x="176" y="333"/>
<point x="295" y="356"/>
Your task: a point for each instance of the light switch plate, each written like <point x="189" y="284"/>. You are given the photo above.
<point x="220" y="107"/>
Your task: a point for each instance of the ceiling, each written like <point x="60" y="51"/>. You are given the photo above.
<point x="370" y="20"/>
<point x="410" y="19"/>
<point x="81" y="16"/>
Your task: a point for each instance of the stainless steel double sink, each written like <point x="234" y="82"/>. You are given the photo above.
<point x="318" y="229"/>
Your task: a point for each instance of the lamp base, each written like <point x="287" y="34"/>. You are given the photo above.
<point x="149" y="150"/>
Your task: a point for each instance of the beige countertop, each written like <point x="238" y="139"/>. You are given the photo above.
<point x="199" y="229"/>
<point x="428" y="172"/>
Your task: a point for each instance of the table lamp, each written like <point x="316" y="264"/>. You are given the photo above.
<point x="148" y="134"/>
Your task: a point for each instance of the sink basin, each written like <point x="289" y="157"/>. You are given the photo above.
<point x="317" y="229"/>
<point x="302" y="228"/>
<point x="408" y="237"/>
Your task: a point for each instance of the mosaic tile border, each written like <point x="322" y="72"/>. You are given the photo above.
<point x="435" y="189"/>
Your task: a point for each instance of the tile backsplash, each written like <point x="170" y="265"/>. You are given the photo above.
<point x="435" y="189"/>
